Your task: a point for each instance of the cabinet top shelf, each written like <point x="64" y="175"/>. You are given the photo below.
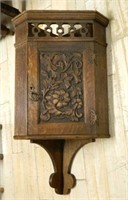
<point x="33" y="15"/>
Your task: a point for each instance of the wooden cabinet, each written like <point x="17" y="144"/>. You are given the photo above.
<point x="61" y="84"/>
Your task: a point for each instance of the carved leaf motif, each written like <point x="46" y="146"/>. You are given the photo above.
<point x="45" y="117"/>
<point x="93" y="117"/>
<point x="61" y="87"/>
<point x="67" y="80"/>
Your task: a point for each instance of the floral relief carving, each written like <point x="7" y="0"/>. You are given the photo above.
<point x="61" y="87"/>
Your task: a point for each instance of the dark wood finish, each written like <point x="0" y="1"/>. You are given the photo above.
<point x="61" y="85"/>
<point x="4" y="30"/>
<point x="7" y="12"/>
<point x="1" y="156"/>
<point x="61" y="15"/>
<point x="1" y="189"/>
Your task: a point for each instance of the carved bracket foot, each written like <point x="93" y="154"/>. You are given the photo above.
<point x="62" y="153"/>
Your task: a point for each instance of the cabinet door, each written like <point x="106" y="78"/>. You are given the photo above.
<point x="61" y="94"/>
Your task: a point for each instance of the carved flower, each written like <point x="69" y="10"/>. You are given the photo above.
<point x="77" y="102"/>
<point x="58" y="98"/>
<point x="59" y="61"/>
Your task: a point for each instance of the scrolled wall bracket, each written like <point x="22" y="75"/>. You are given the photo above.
<point x="62" y="153"/>
<point x="60" y="103"/>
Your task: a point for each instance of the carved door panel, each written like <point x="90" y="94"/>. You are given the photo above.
<point x="61" y="90"/>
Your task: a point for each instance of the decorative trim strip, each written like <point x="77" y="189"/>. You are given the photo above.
<point x="60" y="29"/>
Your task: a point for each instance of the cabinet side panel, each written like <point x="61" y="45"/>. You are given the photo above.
<point x="21" y="91"/>
<point x="101" y="91"/>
